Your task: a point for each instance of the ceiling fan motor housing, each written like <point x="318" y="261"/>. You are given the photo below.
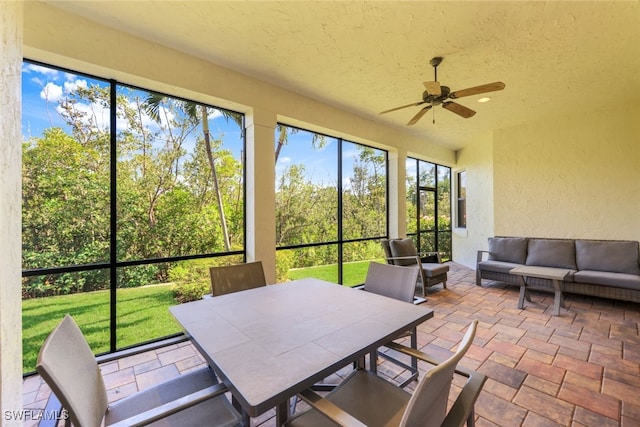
<point x="436" y="99"/>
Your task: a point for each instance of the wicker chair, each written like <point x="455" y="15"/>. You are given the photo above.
<point x="403" y="252"/>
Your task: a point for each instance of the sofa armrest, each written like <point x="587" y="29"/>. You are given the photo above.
<point x="480" y="255"/>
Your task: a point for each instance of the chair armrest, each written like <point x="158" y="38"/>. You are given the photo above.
<point x="415" y="257"/>
<point x="438" y="255"/>
<point x="462" y="407"/>
<point x="329" y="409"/>
<point x="173" y="407"/>
<point x="433" y="360"/>
<point x="480" y="255"/>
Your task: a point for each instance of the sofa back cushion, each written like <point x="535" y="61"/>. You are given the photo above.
<point x="552" y="253"/>
<point x="508" y="249"/>
<point x="613" y="256"/>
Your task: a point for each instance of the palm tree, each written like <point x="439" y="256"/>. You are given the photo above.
<point x="199" y="112"/>
<point x="317" y="141"/>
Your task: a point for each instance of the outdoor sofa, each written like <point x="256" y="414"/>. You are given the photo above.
<point x="601" y="268"/>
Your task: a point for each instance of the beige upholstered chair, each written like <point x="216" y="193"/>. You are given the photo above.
<point x="403" y="252"/>
<point x="68" y="366"/>
<point x="233" y="278"/>
<point x="391" y="281"/>
<point x="399" y="283"/>
<point x="365" y="399"/>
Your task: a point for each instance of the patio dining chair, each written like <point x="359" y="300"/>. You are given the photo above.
<point x="429" y="264"/>
<point x="234" y="278"/>
<point x="399" y="283"/>
<point x="365" y="399"/>
<point x="68" y="366"/>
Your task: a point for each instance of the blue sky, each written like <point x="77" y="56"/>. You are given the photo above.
<point x="43" y="88"/>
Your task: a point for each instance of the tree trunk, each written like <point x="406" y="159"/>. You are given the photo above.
<point x="207" y="143"/>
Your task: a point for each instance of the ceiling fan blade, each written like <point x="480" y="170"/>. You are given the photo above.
<point x="460" y="110"/>
<point x="433" y="88"/>
<point x="404" y="106"/>
<point x="418" y="116"/>
<point x="489" y="87"/>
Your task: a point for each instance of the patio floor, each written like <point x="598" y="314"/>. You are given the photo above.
<point x="581" y="368"/>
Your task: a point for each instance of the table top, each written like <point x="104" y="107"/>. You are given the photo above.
<point x="541" y="272"/>
<point x="269" y="343"/>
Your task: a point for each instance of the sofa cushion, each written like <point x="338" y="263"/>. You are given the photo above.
<point x="552" y="253"/>
<point x="610" y="256"/>
<point x="604" y="278"/>
<point x="508" y="249"/>
<point x="403" y="248"/>
<point x="497" y="266"/>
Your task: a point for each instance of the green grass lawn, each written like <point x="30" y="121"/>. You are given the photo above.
<point x="142" y="313"/>
<point x="142" y="316"/>
<point x="353" y="273"/>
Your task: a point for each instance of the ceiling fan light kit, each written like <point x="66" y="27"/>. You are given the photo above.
<point x="436" y="94"/>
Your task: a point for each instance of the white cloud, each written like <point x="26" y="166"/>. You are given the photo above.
<point x="214" y="114"/>
<point x="70" y="86"/>
<point x="33" y="68"/>
<point x="284" y="160"/>
<point x="51" y="92"/>
<point x="94" y="116"/>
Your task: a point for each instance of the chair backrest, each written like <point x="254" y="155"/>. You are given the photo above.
<point x="68" y="366"/>
<point x="391" y="281"/>
<point x="234" y="278"/>
<point x="403" y="248"/>
<point x="387" y="250"/>
<point x="428" y="404"/>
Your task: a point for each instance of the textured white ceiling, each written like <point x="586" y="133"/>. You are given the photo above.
<point x="556" y="58"/>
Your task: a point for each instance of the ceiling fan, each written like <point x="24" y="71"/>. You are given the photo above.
<point x="439" y="95"/>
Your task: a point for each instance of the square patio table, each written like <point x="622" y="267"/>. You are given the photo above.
<point x="267" y="344"/>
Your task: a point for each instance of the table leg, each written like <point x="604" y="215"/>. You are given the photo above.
<point x="524" y="293"/>
<point x="558" y="300"/>
<point x="282" y="413"/>
<point x="246" y="420"/>
<point x="361" y="363"/>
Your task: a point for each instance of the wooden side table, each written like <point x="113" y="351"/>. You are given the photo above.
<point x="556" y="275"/>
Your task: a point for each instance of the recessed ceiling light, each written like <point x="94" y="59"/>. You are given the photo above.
<point x="485" y="99"/>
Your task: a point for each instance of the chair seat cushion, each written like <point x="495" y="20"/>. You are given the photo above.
<point x="434" y="269"/>
<point x="369" y="398"/>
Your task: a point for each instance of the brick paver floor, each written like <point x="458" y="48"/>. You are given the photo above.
<point x="581" y="368"/>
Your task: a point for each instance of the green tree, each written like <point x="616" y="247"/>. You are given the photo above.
<point x="198" y="113"/>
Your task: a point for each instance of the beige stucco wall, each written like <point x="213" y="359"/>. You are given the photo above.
<point x="576" y="176"/>
<point x="477" y="161"/>
<point x="573" y="176"/>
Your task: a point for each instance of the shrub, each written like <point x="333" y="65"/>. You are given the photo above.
<point x="191" y="291"/>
